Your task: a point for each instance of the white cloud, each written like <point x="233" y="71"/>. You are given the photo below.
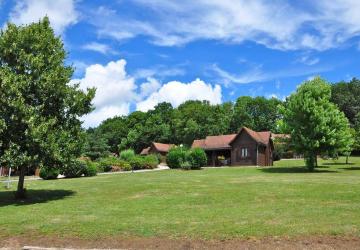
<point x="97" y="47"/>
<point x="176" y="93"/>
<point x="61" y="13"/>
<point x="115" y="90"/>
<point x="277" y="24"/>
<point x="149" y="87"/>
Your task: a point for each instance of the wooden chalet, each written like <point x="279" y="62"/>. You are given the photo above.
<point x="246" y="148"/>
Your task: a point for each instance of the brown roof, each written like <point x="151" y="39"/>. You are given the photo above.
<point x="161" y="147"/>
<point x="145" y="151"/>
<point x="211" y="142"/>
<point x="224" y="141"/>
<point x="259" y="137"/>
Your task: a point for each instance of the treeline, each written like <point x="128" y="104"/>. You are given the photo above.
<point x="197" y="119"/>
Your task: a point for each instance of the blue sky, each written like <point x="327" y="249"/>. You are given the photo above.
<point x="141" y="52"/>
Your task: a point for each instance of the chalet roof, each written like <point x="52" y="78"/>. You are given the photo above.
<point x="161" y="147"/>
<point x="145" y="151"/>
<point x="214" y="142"/>
<point x="259" y="137"/>
<point x="224" y="141"/>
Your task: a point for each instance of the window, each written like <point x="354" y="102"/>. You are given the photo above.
<point x="244" y="153"/>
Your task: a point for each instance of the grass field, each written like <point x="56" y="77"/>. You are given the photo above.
<point x="284" y="200"/>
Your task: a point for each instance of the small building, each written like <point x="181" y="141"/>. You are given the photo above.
<point x="246" y="148"/>
<point x="157" y="148"/>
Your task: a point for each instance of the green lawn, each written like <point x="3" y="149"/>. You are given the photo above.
<point x="209" y="203"/>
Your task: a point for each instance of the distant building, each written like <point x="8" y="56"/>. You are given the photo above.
<point x="246" y="148"/>
<point x="157" y="148"/>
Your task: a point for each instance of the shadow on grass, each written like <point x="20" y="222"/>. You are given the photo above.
<point x="337" y="164"/>
<point x="33" y="197"/>
<point x="294" y="170"/>
<point x="351" y="168"/>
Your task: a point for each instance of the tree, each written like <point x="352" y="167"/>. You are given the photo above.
<point x="316" y="125"/>
<point x="96" y="145"/>
<point x="112" y="131"/>
<point x="259" y="113"/>
<point x="346" y="95"/>
<point x="39" y="108"/>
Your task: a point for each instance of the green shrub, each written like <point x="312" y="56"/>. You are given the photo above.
<point x="150" y="161"/>
<point x="186" y="165"/>
<point x="127" y="155"/>
<point x="49" y="173"/>
<point x="107" y="163"/>
<point x="137" y="162"/>
<point x="197" y="158"/>
<point x="175" y="157"/>
<point x="91" y="169"/>
<point x="74" y="169"/>
<point x="126" y="167"/>
<point x="114" y="164"/>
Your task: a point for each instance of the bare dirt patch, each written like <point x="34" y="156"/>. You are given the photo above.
<point x="312" y="242"/>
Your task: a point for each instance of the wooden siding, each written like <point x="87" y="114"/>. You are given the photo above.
<point x="243" y="141"/>
<point x="259" y="154"/>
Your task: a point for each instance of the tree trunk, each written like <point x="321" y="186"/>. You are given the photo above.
<point x="20" y="193"/>
<point x="316" y="161"/>
<point x="347" y="159"/>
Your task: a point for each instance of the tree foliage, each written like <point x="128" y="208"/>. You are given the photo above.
<point x="346" y="95"/>
<point x="191" y="120"/>
<point x="316" y="125"/>
<point x="39" y="109"/>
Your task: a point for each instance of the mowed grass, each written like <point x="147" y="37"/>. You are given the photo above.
<point x="284" y="200"/>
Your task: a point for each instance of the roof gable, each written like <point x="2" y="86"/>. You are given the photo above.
<point x="162" y="147"/>
<point x="214" y="142"/>
<point x="260" y="137"/>
<point x="145" y="151"/>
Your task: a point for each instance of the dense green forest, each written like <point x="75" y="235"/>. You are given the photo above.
<point x="197" y="119"/>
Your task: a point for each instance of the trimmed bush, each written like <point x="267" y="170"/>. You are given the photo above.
<point x="186" y="165"/>
<point x="91" y="169"/>
<point x="151" y="161"/>
<point x="175" y="157"/>
<point x="137" y="163"/>
<point x="127" y="155"/>
<point x="114" y="164"/>
<point x="126" y="167"/>
<point x="197" y="158"/>
<point x="74" y="169"/>
<point x="49" y="173"/>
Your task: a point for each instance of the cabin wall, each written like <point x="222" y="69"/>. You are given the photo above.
<point x="243" y="141"/>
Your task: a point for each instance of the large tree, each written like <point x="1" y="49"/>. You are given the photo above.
<point x="346" y="95"/>
<point x="39" y="108"/>
<point x="316" y="125"/>
<point x="259" y="113"/>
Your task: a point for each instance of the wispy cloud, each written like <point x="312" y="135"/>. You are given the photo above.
<point x="160" y="71"/>
<point x="254" y="75"/>
<point x="308" y="60"/>
<point x="98" y="47"/>
<point x="259" y="75"/>
<point x="275" y="24"/>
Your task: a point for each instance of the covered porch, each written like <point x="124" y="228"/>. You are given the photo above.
<point x="218" y="157"/>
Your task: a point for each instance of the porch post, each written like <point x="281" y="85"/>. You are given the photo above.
<point x="213" y="158"/>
